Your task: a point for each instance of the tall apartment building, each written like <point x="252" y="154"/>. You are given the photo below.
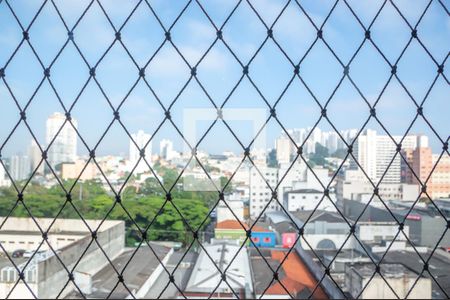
<point x="19" y="167"/>
<point x="3" y="181"/>
<point x="140" y="138"/>
<point x="35" y="155"/>
<point x="64" y="146"/>
<point x="284" y="148"/>
<point x="260" y="193"/>
<point x="421" y="163"/>
<point x="166" y="149"/>
<point x="375" y="153"/>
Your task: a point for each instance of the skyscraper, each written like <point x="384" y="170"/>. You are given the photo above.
<point x="284" y="148"/>
<point x="375" y="153"/>
<point x="166" y="149"/>
<point x="64" y="146"/>
<point x="19" y="167"/>
<point x="140" y="138"/>
<point x="3" y="181"/>
<point x="35" y="155"/>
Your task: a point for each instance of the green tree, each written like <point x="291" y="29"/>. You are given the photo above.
<point x="318" y="157"/>
<point x="339" y="153"/>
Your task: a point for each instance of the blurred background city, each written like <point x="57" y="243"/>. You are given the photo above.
<point x="224" y="149"/>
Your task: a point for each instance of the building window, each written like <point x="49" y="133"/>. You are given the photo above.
<point x="255" y="239"/>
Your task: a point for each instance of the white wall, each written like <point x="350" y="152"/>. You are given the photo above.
<point x="260" y="193"/>
<point x="380" y="231"/>
<point x="224" y="213"/>
<point x="308" y="201"/>
<point x="378" y="289"/>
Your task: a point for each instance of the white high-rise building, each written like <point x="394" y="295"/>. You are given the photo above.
<point x="141" y="139"/>
<point x="19" y="167"/>
<point x="375" y="152"/>
<point x="166" y="149"/>
<point x="331" y="141"/>
<point x="35" y="155"/>
<point x="3" y="181"/>
<point x="260" y="193"/>
<point x="64" y="147"/>
<point x="284" y="148"/>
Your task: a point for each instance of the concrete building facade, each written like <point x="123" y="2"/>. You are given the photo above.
<point x="64" y="146"/>
<point x="260" y="193"/>
<point x="361" y="285"/>
<point x="141" y="139"/>
<point x="422" y="162"/>
<point x="375" y="153"/>
<point x="46" y="276"/>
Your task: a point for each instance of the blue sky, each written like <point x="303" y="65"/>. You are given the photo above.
<point x="219" y="71"/>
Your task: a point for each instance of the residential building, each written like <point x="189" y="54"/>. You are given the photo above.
<point x="231" y="230"/>
<point x="166" y="151"/>
<point x="353" y="184"/>
<point x="396" y="281"/>
<point x="19" y="167"/>
<point x="79" y="169"/>
<point x="375" y="153"/>
<point x="138" y="143"/>
<point x="420" y="163"/>
<point x="3" y="180"/>
<point x="260" y="192"/>
<point x="63" y="140"/>
<point x="35" y="154"/>
<point x="284" y="148"/>
<point x="231" y="210"/>
<point x="308" y="199"/>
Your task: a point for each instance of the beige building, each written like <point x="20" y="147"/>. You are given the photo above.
<point x="284" y="148"/>
<point x="361" y="285"/>
<point x="422" y="161"/>
<point x="353" y="185"/>
<point x="73" y="170"/>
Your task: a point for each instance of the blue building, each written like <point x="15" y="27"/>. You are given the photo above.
<point x="263" y="239"/>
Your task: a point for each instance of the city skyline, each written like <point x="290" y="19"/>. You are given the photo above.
<point x="168" y="72"/>
<point x="297" y="134"/>
<point x="151" y="149"/>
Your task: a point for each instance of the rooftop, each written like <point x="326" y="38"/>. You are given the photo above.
<point x="231" y="224"/>
<point x="318" y="215"/>
<point x="141" y="266"/>
<point x="439" y="266"/>
<point x="388" y="270"/>
<point x="229" y="258"/>
<point x="235" y="225"/>
<point x="295" y="279"/>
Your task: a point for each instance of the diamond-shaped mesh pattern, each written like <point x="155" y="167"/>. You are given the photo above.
<point x="318" y="39"/>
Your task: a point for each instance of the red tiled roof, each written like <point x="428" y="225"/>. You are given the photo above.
<point x="294" y="287"/>
<point x="231" y="224"/>
<point x="297" y="277"/>
<point x="234" y="224"/>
